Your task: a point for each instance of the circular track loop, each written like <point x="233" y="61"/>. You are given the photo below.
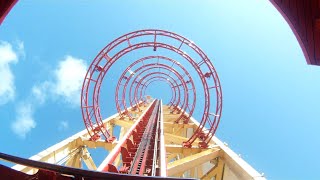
<point x="156" y="40"/>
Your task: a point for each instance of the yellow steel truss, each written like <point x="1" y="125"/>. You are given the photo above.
<point x="215" y="162"/>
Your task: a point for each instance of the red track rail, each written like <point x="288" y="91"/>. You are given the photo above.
<point x="139" y="146"/>
<point x="146" y="146"/>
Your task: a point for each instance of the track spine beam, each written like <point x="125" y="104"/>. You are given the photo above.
<point x="140" y="146"/>
<point x="145" y="159"/>
<point x="107" y="164"/>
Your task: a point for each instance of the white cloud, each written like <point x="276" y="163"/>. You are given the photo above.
<point x="63" y="125"/>
<point x="40" y="92"/>
<point x="20" y="48"/>
<point x="7" y="54"/>
<point x="69" y="76"/>
<point x="7" y="57"/>
<point x="67" y="83"/>
<point x="24" y="121"/>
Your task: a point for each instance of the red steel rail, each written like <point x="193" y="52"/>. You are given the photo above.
<point x="107" y="164"/>
<point x="146" y="156"/>
<point x="140" y="146"/>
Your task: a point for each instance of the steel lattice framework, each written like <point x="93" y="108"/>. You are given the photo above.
<point x="146" y="139"/>
<point x="135" y="82"/>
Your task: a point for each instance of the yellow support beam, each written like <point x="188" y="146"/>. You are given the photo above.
<point x="123" y="123"/>
<point x="216" y="171"/>
<point x="88" y="159"/>
<point x="220" y="170"/>
<point x="61" y="150"/>
<point x="171" y="156"/>
<point x="74" y="161"/>
<point x="118" y="159"/>
<point x="178" y="130"/>
<point x="175" y="125"/>
<point x="191" y="161"/>
<point x="199" y="171"/>
<point x="174" y="148"/>
<point x="238" y="166"/>
<point x="175" y="139"/>
<point x="192" y="170"/>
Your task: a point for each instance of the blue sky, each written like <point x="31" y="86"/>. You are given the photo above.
<point x="271" y="96"/>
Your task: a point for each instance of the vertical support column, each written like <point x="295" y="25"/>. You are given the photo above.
<point x="199" y="171"/>
<point x="75" y="161"/>
<point x="118" y="159"/>
<point x="163" y="163"/>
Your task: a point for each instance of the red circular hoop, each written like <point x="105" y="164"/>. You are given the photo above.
<point x="162" y="66"/>
<point x="158" y="39"/>
<point x="186" y="99"/>
<point x="154" y="79"/>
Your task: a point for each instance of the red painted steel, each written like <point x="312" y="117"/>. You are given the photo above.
<point x="145" y="67"/>
<point x="5" y="7"/>
<point x="303" y="18"/>
<point x="145" y="157"/>
<point x="139" y="147"/>
<point x="107" y="164"/>
<point x="143" y="64"/>
<point x="157" y="40"/>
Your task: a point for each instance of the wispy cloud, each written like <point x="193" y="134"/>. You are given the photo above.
<point x="67" y="83"/>
<point x="7" y="57"/>
<point x="19" y="48"/>
<point x="40" y="92"/>
<point x="69" y="76"/>
<point x="24" y="122"/>
<point x="63" y="125"/>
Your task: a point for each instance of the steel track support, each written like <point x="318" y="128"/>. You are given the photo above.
<point x="162" y="162"/>
<point x="108" y="163"/>
<point x="74" y="161"/>
<point x="216" y="171"/>
<point x="63" y="150"/>
<point x="191" y="161"/>
<point x="145" y="157"/>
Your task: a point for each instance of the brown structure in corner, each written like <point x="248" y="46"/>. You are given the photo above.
<point x="303" y="16"/>
<point x="5" y="7"/>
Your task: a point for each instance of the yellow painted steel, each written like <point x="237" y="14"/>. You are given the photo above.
<point x="181" y="162"/>
<point x="216" y="171"/>
<point x="188" y="162"/>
